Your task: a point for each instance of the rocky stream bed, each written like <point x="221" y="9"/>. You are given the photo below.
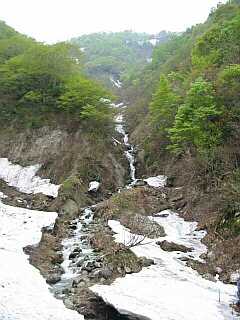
<point x="125" y="257"/>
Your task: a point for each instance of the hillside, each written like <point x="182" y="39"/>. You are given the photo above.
<point x="117" y="55"/>
<point x="188" y="125"/>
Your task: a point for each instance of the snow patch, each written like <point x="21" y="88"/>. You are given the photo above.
<point x="169" y="288"/>
<point x="94" y="186"/>
<point x="157" y="182"/>
<point x="25" y="179"/>
<point x="23" y="291"/>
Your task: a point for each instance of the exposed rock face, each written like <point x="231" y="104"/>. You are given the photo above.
<point x="65" y="153"/>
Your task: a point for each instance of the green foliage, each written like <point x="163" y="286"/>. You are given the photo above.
<point x="38" y="79"/>
<point x="219" y="45"/>
<point x="116" y="54"/>
<point x="14" y="46"/>
<point x="84" y="98"/>
<point x="79" y="92"/>
<point x="163" y="106"/>
<point x="98" y="114"/>
<point x="230" y="221"/>
<point x="199" y="114"/>
<point x="163" y="52"/>
<point x="229" y="89"/>
<point x="41" y="68"/>
<point x="72" y="183"/>
<point x="6" y="31"/>
<point x="196" y="122"/>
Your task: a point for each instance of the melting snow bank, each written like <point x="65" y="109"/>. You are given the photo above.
<point x="25" y="179"/>
<point x="24" y="294"/>
<point x="157" y="182"/>
<point x="169" y="289"/>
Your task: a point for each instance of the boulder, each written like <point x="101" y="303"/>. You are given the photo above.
<point x="140" y="183"/>
<point x="89" y="266"/>
<point x="53" y="278"/>
<point x="73" y="255"/>
<point x="68" y="303"/>
<point x="161" y="214"/>
<point x="171" y="246"/>
<point x="105" y="273"/>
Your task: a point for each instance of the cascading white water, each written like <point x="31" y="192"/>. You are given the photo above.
<point x="130" y="149"/>
<point x="77" y="247"/>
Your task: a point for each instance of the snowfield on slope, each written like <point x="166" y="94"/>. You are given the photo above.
<point x="168" y="290"/>
<point x="25" y="179"/>
<point x="24" y="294"/>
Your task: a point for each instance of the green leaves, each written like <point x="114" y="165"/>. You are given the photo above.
<point x="79" y="92"/>
<point x="219" y="45"/>
<point x="163" y="106"/>
<point x="196" y="121"/>
<point x="37" y="80"/>
<point x="84" y="98"/>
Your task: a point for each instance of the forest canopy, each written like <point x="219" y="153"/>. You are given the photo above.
<point x="39" y="81"/>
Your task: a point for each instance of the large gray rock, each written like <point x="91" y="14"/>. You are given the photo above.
<point x="53" y="278"/>
<point x="171" y="246"/>
<point x="89" y="266"/>
<point x="106" y="273"/>
<point x="144" y="226"/>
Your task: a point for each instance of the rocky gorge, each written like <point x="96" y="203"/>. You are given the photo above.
<point x="115" y="240"/>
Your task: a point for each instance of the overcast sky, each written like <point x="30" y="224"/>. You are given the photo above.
<point x="55" y="20"/>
